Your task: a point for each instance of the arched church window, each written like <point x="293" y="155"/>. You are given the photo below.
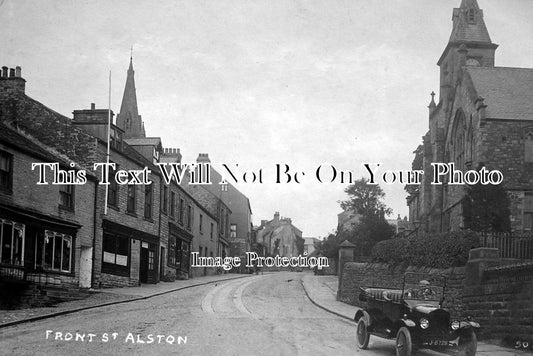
<point x="459" y="149"/>
<point x="528" y="145"/>
<point x="458" y="140"/>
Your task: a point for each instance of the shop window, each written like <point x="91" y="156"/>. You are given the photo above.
<point x="151" y="259"/>
<point x="178" y="252"/>
<point x="171" y="258"/>
<point x="54" y="252"/>
<point x="66" y="196"/>
<point x="12" y="243"/>
<point x="6" y="171"/>
<point x="116" y="254"/>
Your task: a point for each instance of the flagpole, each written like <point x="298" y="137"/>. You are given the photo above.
<point x="108" y="142"/>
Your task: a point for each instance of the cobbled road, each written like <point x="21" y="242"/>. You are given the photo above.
<point x="262" y="315"/>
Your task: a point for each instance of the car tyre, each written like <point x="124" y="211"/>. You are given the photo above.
<point x="467" y="344"/>
<point x="363" y="337"/>
<point x="404" y="344"/>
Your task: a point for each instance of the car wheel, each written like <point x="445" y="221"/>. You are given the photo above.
<point x="467" y="344"/>
<point x="363" y="337"/>
<point x="404" y="345"/>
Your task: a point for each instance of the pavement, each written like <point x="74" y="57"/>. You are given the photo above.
<point x="107" y="296"/>
<point x="322" y="291"/>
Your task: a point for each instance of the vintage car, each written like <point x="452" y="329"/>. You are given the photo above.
<point x="414" y="317"/>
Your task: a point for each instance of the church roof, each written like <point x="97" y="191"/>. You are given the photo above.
<point x="508" y="92"/>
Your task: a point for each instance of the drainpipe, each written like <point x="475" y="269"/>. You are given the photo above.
<point x="159" y="232"/>
<point x="94" y="229"/>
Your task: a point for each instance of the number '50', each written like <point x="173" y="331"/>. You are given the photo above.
<point x="521" y="344"/>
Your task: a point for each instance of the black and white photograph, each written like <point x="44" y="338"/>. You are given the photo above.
<point x="266" y="177"/>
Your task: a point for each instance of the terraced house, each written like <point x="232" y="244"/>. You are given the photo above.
<point x="46" y="230"/>
<point x="95" y="234"/>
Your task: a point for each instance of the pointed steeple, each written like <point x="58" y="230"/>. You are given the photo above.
<point x="469" y="45"/>
<point x="128" y="118"/>
<point x="468" y="24"/>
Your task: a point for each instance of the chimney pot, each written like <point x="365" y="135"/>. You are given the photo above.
<point x="18" y="71"/>
<point x="93" y="106"/>
<point x="4" y="72"/>
<point x="12" y="72"/>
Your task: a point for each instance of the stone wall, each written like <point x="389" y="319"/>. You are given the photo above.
<point x="503" y="303"/>
<point x="382" y="275"/>
<point x="497" y="294"/>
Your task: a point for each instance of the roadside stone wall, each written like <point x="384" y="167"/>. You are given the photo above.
<point x="332" y="269"/>
<point x="357" y="275"/>
<point x="497" y="293"/>
<point x="503" y="303"/>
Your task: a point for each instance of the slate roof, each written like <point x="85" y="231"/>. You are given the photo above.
<point x="508" y="92"/>
<point x="144" y="141"/>
<point x="22" y="142"/>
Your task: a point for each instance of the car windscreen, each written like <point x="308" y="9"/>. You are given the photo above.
<point x="423" y="286"/>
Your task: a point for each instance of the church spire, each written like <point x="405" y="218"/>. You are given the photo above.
<point x="468" y="24"/>
<point x="129" y="119"/>
<point x="469" y="45"/>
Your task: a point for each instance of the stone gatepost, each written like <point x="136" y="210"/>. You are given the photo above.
<point x="479" y="259"/>
<point x="346" y="254"/>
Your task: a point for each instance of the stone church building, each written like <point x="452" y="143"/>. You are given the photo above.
<point x="484" y="117"/>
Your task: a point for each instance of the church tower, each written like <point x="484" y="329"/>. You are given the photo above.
<point x="469" y="45"/>
<point x="129" y="119"/>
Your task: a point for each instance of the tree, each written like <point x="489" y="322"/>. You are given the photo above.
<point x="486" y="208"/>
<point x="365" y="199"/>
<point x="371" y="230"/>
<point x="329" y="247"/>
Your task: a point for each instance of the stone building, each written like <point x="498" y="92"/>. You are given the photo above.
<point x="45" y="232"/>
<point x="483" y="117"/>
<point x="217" y="223"/>
<point x="240" y="220"/>
<point x="47" y="229"/>
<point x="280" y="237"/>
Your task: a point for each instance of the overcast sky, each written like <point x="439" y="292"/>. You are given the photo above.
<point x="256" y="83"/>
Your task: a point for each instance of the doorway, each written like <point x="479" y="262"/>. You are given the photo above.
<point x="147" y="263"/>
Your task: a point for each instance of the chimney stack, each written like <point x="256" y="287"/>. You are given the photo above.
<point x="11" y="80"/>
<point x="203" y="158"/>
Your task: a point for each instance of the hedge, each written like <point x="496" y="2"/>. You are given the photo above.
<point x="438" y="251"/>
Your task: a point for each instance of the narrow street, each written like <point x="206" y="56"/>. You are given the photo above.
<point x="267" y="315"/>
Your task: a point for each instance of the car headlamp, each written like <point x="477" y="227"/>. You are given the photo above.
<point x="424" y="323"/>
<point x="455" y="325"/>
